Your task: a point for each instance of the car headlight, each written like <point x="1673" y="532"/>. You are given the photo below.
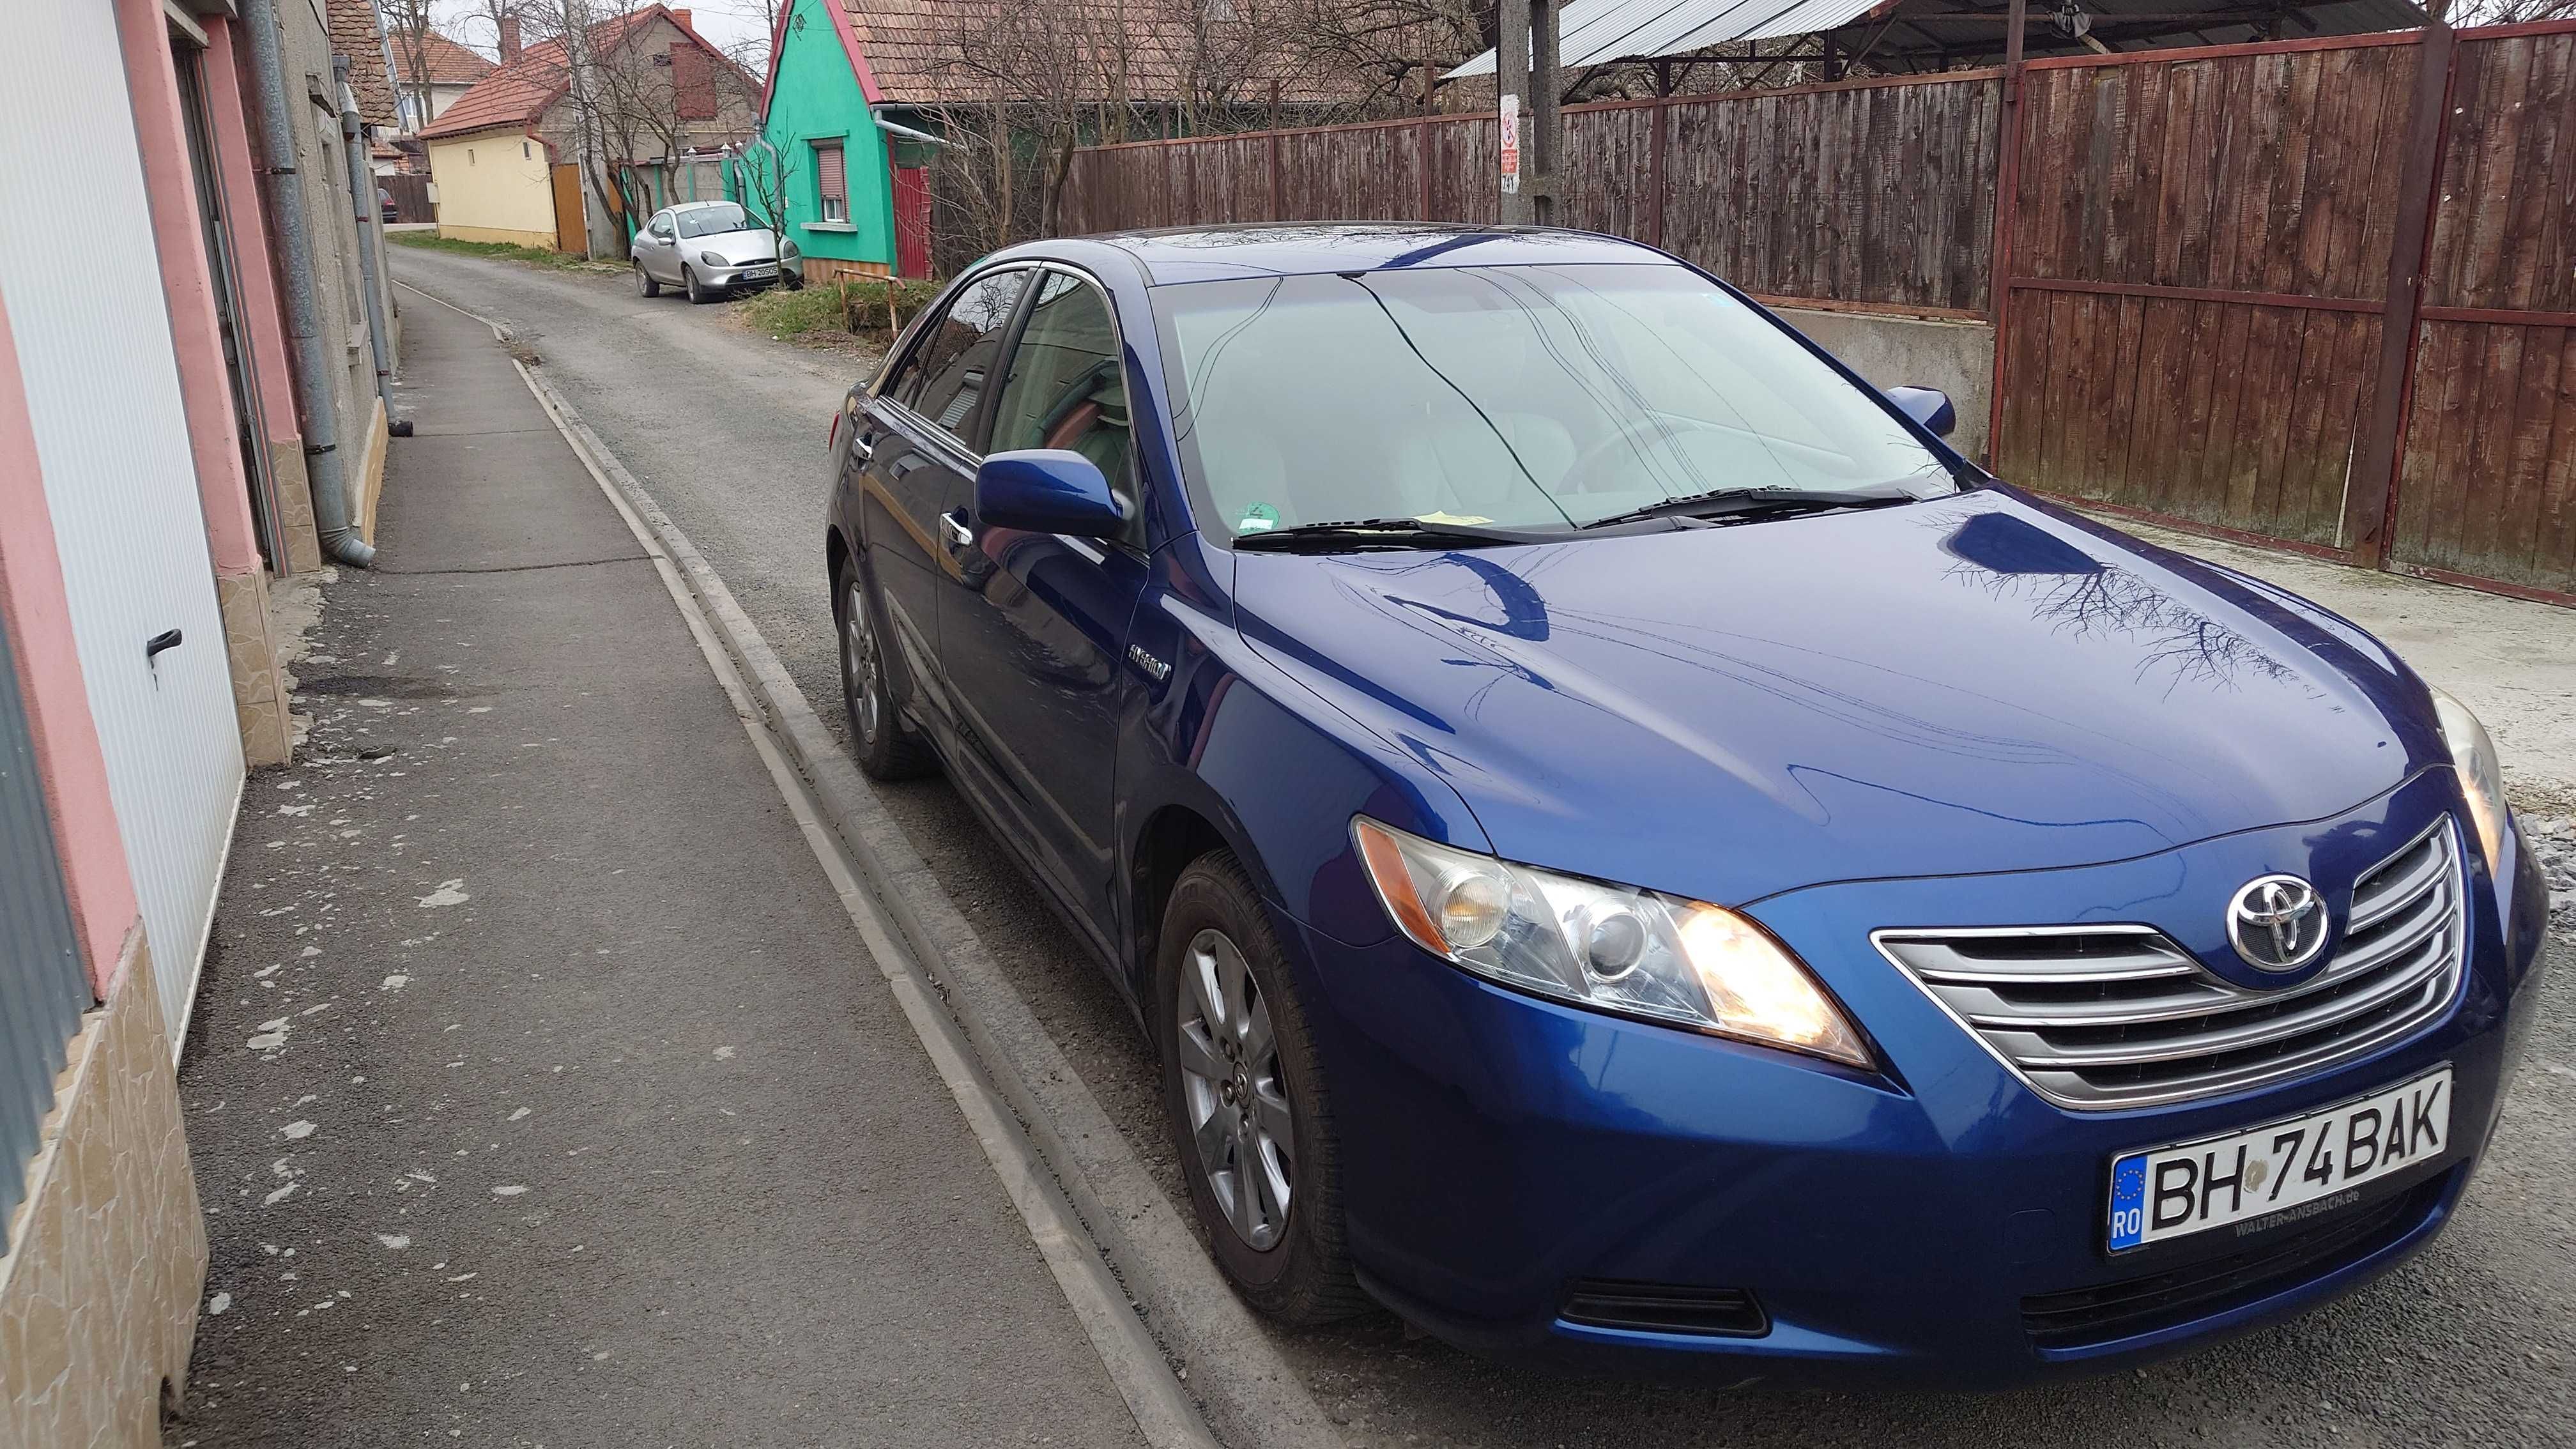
<point x="2481" y="778"/>
<point x="1611" y="948"/>
<point x="711" y="259"/>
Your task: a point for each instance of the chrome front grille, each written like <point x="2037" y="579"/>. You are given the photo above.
<point x="2102" y="1017"/>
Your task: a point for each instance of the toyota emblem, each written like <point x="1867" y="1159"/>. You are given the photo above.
<point x="2277" y="922"/>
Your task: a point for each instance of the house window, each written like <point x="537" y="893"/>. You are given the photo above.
<point x="469" y="155"/>
<point x="831" y="181"/>
<point x="523" y="150"/>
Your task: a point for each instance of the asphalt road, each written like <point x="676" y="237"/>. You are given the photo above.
<point x="2474" y="1341"/>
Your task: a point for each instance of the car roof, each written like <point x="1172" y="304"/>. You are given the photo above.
<point x="1213" y="253"/>
<point x="699" y="205"/>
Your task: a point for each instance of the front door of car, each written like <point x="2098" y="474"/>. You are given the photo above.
<point x="661" y="248"/>
<point x="916" y="440"/>
<point x="1032" y="625"/>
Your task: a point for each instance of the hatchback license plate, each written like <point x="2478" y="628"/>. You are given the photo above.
<point x="2275" y="1175"/>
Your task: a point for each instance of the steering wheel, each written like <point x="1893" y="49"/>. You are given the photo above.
<point x="1639" y="436"/>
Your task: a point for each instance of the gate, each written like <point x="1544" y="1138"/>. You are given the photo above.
<point x="2196" y="280"/>
<point x="120" y="481"/>
<point x="2316" y="293"/>
<point x="2486" y="487"/>
<point x="572" y="226"/>
<point x="411" y="196"/>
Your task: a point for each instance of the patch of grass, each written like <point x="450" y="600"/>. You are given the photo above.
<point x="508" y="251"/>
<point x="848" y="309"/>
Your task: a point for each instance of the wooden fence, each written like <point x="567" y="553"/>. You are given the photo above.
<point x="2318" y="293"/>
<point x="1876" y="192"/>
<point x="411" y="197"/>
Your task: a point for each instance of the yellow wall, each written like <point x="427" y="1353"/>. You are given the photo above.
<point x="493" y="186"/>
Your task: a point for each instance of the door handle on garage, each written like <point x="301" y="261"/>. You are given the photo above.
<point x="953" y="524"/>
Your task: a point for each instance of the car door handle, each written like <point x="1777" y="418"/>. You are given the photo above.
<point x="953" y="524"/>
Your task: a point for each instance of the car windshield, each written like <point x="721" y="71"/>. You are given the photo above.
<point x="1524" y="396"/>
<point x="709" y="220"/>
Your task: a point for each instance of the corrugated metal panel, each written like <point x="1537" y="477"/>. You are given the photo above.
<point x="42" y="989"/>
<point x="103" y="393"/>
<point x="1593" y="32"/>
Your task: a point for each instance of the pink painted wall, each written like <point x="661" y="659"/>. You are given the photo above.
<point x="262" y="314"/>
<point x="187" y="284"/>
<point x="57" y="701"/>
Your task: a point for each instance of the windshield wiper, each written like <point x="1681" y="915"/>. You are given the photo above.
<point x="1382" y="533"/>
<point x="1738" y="502"/>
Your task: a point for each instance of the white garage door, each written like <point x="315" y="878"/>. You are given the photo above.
<point x="79" y="273"/>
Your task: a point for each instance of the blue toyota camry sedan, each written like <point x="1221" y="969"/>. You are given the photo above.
<point x="1629" y="848"/>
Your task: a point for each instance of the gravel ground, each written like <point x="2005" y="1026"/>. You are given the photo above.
<point x="2470" y="1343"/>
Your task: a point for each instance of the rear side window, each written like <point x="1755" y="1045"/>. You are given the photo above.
<point x="1066" y="388"/>
<point x="954" y="359"/>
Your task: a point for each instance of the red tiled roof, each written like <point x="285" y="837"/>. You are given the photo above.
<point x="447" y="63"/>
<point x="517" y="91"/>
<point x="355" y="35"/>
<point x="933" y="52"/>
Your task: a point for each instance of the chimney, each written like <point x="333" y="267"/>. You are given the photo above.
<point x="682" y="16"/>
<point x="509" y="38"/>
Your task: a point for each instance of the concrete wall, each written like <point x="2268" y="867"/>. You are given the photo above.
<point x="1892" y="351"/>
<point x="494" y="186"/>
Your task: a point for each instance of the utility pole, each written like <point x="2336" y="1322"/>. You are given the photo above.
<point x="1525" y="63"/>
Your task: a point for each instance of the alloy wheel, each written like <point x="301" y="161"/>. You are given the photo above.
<point x="1237" y="1101"/>
<point x="859" y="663"/>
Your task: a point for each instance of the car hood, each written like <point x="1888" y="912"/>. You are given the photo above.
<point x="1969" y="684"/>
<point x="735" y="246"/>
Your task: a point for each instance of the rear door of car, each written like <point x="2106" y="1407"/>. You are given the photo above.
<point x="1032" y="625"/>
<point x="917" y="440"/>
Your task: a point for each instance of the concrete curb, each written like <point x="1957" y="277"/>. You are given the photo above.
<point x="1250" y="1394"/>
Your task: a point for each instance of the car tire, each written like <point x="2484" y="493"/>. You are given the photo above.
<point x="644" y="282"/>
<point x="1215" y="937"/>
<point x="697" y="294"/>
<point x="885" y="747"/>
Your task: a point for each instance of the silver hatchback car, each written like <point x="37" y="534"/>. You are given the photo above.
<point x="709" y="249"/>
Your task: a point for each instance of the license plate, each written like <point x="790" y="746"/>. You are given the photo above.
<point x="760" y="271"/>
<point x="2272" y="1176"/>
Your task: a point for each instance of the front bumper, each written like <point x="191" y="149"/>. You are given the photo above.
<point x="749" y="276"/>
<point x="1498" y="1150"/>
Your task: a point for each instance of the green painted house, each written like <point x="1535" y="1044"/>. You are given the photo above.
<point x="849" y="182"/>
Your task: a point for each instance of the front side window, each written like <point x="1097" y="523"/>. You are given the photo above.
<point x="1525" y="396"/>
<point x="958" y="352"/>
<point x="1066" y="388"/>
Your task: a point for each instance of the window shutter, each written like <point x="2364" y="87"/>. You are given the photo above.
<point x="828" y="174"/>
<point x="693" y="85"/>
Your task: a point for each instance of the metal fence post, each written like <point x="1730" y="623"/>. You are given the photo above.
<point x="2370" y="496"/>
<point x="2007" y="183"/>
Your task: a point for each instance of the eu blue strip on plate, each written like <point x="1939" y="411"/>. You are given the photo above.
<point x="2128" y="1201"/>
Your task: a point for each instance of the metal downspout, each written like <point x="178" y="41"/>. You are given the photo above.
<point x="362" y="193"/>
<point x="324" y="465"/>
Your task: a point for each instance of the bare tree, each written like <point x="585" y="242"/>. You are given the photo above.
<point x="407" y="25"/>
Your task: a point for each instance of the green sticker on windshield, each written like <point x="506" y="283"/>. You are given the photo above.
<point x="1259" y="518"/>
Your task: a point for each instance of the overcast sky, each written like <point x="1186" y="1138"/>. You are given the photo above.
<point x="727" y="23"/>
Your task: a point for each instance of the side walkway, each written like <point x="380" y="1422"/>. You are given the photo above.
<point x="539" y="1092"/>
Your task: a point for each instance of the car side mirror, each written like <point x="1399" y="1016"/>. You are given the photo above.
<point x="1047" y="490"/>
<point x="1929" y="406"/>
